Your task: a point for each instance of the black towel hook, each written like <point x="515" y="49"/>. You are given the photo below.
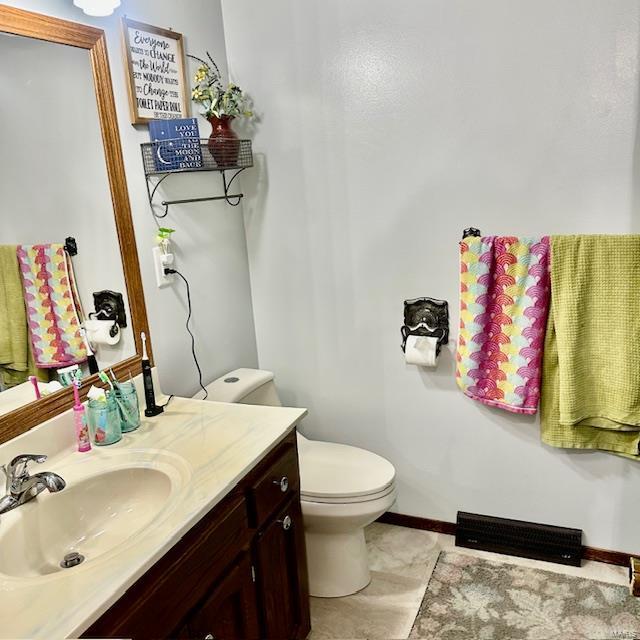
<point x="471" y="232"/>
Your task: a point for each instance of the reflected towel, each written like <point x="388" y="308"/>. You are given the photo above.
<point x="504" y="301"/>
<point x="591" y="376"/>
<point x="52" y="317"/>
<point x="14" y="341"/>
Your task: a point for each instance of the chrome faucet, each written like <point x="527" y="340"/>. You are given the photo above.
<point x="22" y="487"/>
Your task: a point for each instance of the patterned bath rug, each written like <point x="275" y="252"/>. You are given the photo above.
<point x="472" y="598"/>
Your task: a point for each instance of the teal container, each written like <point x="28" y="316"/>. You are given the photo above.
<point x="104" y="421"/>
<point x="128" y="407"/>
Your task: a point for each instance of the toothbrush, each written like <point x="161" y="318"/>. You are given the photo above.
<point x="116" y="384"/>
<point x="34" y="382"/>
<point x="105" y="378"/>
<point x="82" y="433"/>
<point x="152" y="409"/>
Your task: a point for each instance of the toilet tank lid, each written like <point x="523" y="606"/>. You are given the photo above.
<point x="237" y="384"/>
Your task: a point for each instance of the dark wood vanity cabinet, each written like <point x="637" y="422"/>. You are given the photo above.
<point x="240" y="573"/>
<point x="284" y="594"/>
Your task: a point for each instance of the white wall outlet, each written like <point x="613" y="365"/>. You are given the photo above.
<point x="162" y="261"/>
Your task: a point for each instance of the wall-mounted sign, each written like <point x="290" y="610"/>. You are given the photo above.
<point x="155" y="66"/>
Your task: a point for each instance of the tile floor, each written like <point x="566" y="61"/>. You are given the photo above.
<point x="401" y="562"/>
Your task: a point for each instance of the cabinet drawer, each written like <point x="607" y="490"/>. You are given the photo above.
<point x="279" y="482"/>
<point x="157" y="602"/>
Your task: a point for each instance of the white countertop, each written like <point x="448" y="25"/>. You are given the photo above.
<point x="220" y="443"/>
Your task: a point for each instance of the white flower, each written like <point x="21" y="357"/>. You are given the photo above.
<point x="525" y="577"/>
<point x="613" y="594"/>
<point x="557" y="589"/>
<point x="438" y="609"/>
<point x="540" y="617"/>
<point x="591" y="602"/>
<point x="475" y="600"/>
<point x="486" y="633"/>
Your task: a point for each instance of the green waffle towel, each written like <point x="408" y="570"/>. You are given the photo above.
<point x="591" y="366"/>
<point x="14" y="340"/>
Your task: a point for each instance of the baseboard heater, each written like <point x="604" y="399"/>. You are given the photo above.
<point x="518" y="538"/>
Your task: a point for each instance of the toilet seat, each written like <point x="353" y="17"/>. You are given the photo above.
<point x="342" y="474"/>
<point x="305" y="497"/>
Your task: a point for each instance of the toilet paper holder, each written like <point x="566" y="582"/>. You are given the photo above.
<point x="109" y="305"/>
<point x="428" y="317"/>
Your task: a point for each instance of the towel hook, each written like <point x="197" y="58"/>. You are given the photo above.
<point x="71" y="246"/>
<point x="471" y="232"/>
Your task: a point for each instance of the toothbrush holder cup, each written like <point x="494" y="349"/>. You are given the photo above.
<point x="104" y="421"/>
<point x="128" y="407"/>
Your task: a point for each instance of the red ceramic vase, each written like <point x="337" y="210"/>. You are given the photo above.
<point x="223" y="144"/>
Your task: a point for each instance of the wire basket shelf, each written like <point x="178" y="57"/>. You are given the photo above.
<point x="182" y="156"/>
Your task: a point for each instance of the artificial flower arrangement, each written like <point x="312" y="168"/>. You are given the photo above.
<point x="210" y="94"/>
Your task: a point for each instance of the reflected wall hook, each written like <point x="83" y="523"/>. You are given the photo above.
<point x="471" y="232"/>
<point x="71" y="246"/>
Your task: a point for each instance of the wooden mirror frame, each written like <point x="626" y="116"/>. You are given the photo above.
<point x="34" y="25"/>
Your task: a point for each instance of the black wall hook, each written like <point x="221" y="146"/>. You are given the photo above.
<point x="471" y="232"/>
<point x="71" y="246"/>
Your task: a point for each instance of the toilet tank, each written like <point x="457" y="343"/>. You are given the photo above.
<point x="245" y="386"/>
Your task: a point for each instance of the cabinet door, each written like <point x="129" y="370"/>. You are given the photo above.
<point x="283" y="590"/>
<point x="230" y="612"/>
<point x="163" y="597"/>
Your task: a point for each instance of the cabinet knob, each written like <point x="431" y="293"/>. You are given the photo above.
<point x="286" y="523"/>
<point x="283" y="483"/>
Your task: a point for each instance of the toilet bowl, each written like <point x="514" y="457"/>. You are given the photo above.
<point x="342" y="490"/>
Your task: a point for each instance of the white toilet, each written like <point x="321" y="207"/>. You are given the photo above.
<point x="343" y="489"/>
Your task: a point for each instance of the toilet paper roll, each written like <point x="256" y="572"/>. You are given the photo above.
<point x="421" y="350"/>
<point x="99" y="331"/>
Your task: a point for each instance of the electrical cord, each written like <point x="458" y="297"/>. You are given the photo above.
<point x="169" y="399"/>
<point x="193" y="339"/>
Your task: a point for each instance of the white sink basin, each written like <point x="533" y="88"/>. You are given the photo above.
<point x="95" y="514"/>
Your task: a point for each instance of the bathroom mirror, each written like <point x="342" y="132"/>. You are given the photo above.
<point x="65" y="229"/>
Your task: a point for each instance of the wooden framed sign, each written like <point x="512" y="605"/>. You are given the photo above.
<point x="155" y="67"/>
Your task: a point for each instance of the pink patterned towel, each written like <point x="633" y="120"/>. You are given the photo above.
<point x="504" y="303"/>
<point x="51" y="314"/>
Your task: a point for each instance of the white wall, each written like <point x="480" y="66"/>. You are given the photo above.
<point x="388" y="127"/>
<point x="210" y="238"/>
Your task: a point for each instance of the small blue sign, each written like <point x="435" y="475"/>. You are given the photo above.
<point x="176" y="144"/>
